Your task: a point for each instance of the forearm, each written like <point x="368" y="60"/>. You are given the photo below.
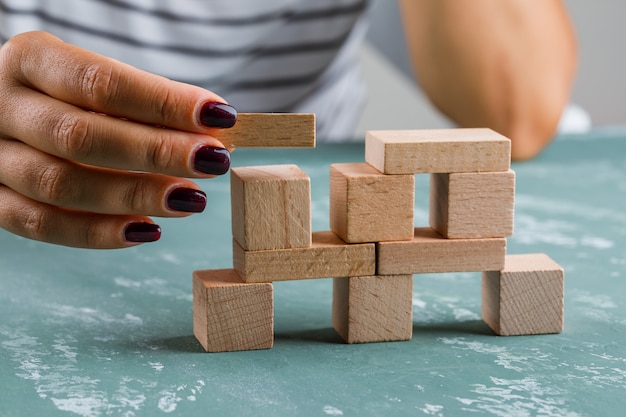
<point x="507" y="65"/>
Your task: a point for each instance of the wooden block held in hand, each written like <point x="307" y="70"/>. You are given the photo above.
<point x="271" y="207"/>
<point x="374" y="308"/>
<point x="526" y="297"/>
<point x="473" y="205"/>
<point x="328" y="257"/>
<point x="429" y="252"/>
<point x="369" y="206"/>
<point x="270" y="130"/>
<point x="230" y="315"/>
<point x="437" y="151"/>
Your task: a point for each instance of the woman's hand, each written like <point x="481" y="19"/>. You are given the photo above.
<point x="90" y="147"/>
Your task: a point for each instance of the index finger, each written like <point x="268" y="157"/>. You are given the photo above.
<point x="104" y="85"/>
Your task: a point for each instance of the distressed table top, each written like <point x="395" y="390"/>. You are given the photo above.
<point x="94" y="333"/>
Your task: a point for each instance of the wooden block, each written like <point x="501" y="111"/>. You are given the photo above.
<point x="271" y="207"/>
<point x="429" y="252"/>
<point x="369" y="206"/>
<point x="270" y="130"/>
<point x="473" y="205"/>
<point x="328" y="257"/>
<point x="526" y="297"/>
<point x="374" y="308"/>
<point x="437" y="151"/>
<point x="230" y="315"/>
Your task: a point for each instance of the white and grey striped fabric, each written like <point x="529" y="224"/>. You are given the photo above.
<point x="261" y="55"/>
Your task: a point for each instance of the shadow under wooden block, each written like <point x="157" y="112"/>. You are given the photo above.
<point x="472" y="205"/>
<point x="429" y="252"/>
<point x="271" y="207"/>
<point x="369" y="206"/>
<point x="230" y="315"/>
<point x="373" y="308"/>
<point x="526" y="297"/>
<point x="328" y="257"/>
<point x="437" y="151"/>
<point x="270" y="130"/>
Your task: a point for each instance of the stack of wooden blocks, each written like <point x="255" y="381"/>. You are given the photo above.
<point x="373" y="248"/>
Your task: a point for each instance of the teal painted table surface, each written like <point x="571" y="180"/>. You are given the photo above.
<point x="98" y="333"/>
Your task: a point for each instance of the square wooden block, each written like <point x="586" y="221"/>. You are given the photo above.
<point x="369" y="206"/>
<point x="374" y="308"/>
<point x="328" y="257"/>
<point x="526" y="297"/>
<point x="473" y="205"/>
<point x="429" y="252"/>
<point x="437" y="151"/>
<point x="271" y="207"/>
<point x="230" y="315"/>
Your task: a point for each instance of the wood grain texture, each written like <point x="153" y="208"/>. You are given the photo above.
<point x="328" y="257"/>
<point x="271" y="207"/>
<point x="230" y="315"/>
<point x="473" y="205"/>
<point x="373" y="308"/>
<point x="526" y="297"/>
<point x="270" y="130"/>
<point x="437" y="151"/>
<point x="429" y="252"/>
<point x="368" y="206"/>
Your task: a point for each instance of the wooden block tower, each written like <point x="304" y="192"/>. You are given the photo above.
<point x="373" y="248"/>
<point x="471" y="213"/>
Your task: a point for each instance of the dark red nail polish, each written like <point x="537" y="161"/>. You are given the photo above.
<point x="187" y="200"/>
<point x="142" y="232"/>
<point x="212" y="160"/>
<point x="218" y="115"/>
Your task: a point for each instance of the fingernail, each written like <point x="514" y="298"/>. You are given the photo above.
<point x="212" y="160"/>
<point x="218" y="115"/>
<point x="187" y="200"/>
<point x="142" y="232"/>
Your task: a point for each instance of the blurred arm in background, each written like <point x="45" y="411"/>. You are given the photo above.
<point x="508" y="65"/>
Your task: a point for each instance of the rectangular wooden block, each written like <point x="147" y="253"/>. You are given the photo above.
<point x="473" y="205"/>
<point x="374" y="308"/>
<point x="525" y="297"/>
<point x="429" y="252"/>
<point x="270" y="130"/>
<point x="230" y="315"/>
<point x="271" y="207"/>
<point x="437" y="151"/>
<point x="328" y="257"/>
<point x="369" y="206"/>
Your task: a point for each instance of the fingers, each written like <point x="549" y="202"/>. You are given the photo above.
<point x="44" y="222"/>
<point x="89" y="146"/>
<point x="77" y="84"/>
<point x="62" y="183"/>
<point x="49" y="199"/>
<point x="90" y="81"/>
<point x="72" y="133"/>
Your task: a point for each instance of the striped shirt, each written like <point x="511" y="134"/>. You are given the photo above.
<point x="261" y="55"/>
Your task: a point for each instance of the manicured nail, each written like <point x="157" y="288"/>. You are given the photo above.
<point x="218" y="115"/>
<point x="187" y="200"/>
<point x="142" y="232"/>
<point x="212" y="160"/>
